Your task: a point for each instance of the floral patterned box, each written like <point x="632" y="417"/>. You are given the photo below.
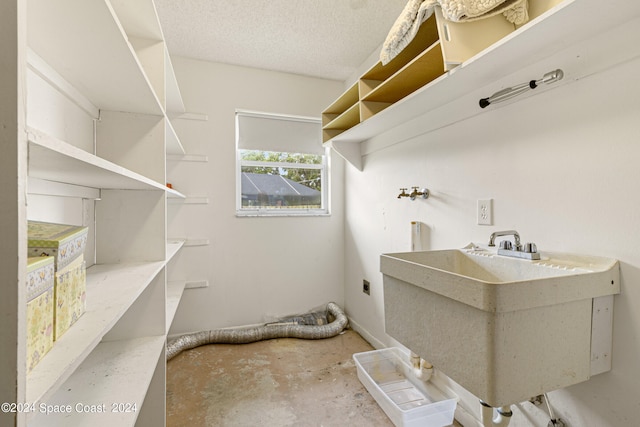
<point x="40" y="303"/>
<point x="70" y="295"/>
<point x="64" y="242"/>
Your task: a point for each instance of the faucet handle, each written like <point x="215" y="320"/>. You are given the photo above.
<point x="507" y="245"/>
<point x="530" y="248"/>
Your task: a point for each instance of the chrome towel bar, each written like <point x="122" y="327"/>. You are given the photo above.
<point x="510" y="92"/>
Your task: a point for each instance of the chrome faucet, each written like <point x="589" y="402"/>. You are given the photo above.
<point x="516" y="237"/>
<point x="529" y="251"/>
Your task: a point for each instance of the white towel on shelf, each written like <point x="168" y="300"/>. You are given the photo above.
<point x="416" y="12"/>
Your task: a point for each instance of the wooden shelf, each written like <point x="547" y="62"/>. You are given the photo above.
<point x="343" y="103"/>
<point x="111" y="374"/>
<point x="426" y="36"/>
<point x="111" y="290"/>
<point x="55" y="160"/>
<point x="382" y="85"/>
<point x="423" y="69"/>
<point x="343" y="114"/>
<point x="349" y="118"/>
<point x="100" y="63"/>
<point x="354" y="105"/>
<point x="572" y="29"/>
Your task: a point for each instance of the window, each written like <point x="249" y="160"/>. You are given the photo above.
<point x="281" y="165"/>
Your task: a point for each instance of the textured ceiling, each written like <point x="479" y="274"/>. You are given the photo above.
<point x="320" y="38"/>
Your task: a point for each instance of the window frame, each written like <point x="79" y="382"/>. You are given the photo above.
<point x="324" y="168"/>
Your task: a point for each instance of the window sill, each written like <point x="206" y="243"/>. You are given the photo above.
<point x="267" y="213"/>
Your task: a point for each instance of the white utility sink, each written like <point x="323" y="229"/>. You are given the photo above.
<point x="506" y="329"/>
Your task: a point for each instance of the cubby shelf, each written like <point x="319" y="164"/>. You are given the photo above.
<point x="350" y="117"/>
<point x="429" y="54"/>
<point x="569" y="30"/>
<point x="422" y="69"/>
<point x="343" y="103"/>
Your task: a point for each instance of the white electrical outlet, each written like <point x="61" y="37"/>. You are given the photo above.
<point x="485" y="212"/>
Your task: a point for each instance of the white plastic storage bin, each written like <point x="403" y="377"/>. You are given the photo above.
<point x="405" y="399"/>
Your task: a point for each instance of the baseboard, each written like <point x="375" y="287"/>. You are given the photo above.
<point x="375" y="343"/>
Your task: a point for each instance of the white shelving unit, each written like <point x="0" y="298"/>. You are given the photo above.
<point x="185" y="169"/>
<point x="111" y="291"/>
<point x="575" y="35"/>
<point x="102" y="95"/>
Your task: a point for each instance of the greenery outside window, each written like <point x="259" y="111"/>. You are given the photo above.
<point x="281" y="165"/>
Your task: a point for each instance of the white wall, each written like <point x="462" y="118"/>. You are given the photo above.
<point x="562" y="169"/>
<point x="257" y="268"/>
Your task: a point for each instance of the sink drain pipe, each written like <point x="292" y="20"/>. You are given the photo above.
<point x="502" y="418"/>
<point x="260" y="333"/>
<point x="422" y="369"/>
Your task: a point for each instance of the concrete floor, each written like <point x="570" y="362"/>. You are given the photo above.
<point x="281" y="382"/>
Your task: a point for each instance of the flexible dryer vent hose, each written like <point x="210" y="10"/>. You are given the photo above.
<point x="259" y="333"/>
